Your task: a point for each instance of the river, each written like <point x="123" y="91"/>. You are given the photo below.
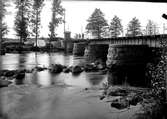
<point x="44" y="78"/>
<point x="55" y="96"/>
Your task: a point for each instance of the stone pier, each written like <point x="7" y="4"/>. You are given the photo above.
<point x="79" y="48"/>
<point x="68" y="46"/>
<point x="127" y="63"/>
<point x="96" y="52"/>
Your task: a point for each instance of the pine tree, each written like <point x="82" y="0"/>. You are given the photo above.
<point x="151" y="28"/>
<point x="134" y="28"/>
<point x="96" y="23"/>
<point x="57" y="13"/>
<point x="116" y="27"/>
<point x="35" y="18"/>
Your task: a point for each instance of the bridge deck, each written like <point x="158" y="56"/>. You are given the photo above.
<point x="151" y="41"/>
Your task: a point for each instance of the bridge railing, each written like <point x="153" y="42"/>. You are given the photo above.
<point x="151" y="41"/>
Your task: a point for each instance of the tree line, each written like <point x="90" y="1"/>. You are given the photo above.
<point x="98" y="27"/>
<point x="28" y="18"/>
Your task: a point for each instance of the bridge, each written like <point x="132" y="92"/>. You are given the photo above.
<point x="151" y="41"/>
<point x="124" y="56"/>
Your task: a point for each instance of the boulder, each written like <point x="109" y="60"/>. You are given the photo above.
<point x="117" y="92"/>
<point x="4" y="83"/>
<point x="135" y="99"/>
<point x="40" y="68"/>
<point x="66" y="70"/>
<point x="120" y="103"/>
<point x="101" y="67"/>
<point x="77" y="69"/>
<point x="9" y="73"/>
<point x="56" y="68"/>
<point x="90" y="68"/>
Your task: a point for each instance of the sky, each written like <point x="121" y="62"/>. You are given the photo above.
<point x="77" y="13"/>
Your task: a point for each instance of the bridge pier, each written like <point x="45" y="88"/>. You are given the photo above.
<point x="68" y="46"/>
<point x="127" y="64"/>
<point x="96" y="52"/>
<point x="79" y="48"/>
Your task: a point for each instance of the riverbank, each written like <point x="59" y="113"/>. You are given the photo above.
<point x="151" y="107"/>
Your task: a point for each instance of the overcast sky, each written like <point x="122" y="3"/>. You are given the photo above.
<point x="77" y="14"/>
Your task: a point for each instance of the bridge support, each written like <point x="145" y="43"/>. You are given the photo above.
<point x="96" y="52"/>
<point x="68" y="46"/>
<point x="79" y="48"/>
<point x="127" y="64"/>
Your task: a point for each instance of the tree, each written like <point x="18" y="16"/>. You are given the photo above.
<point x="2" y="25"/>
<point x="116" y="27"/>
<point x="35" y="18"/>
<point x="151" y="28"/>
<point x="134" y="28"/>
<point x="22" y="19"/>
<point x="4" y="30"/>
<point x="57" y="17"/>
<point x="96" y="23"/>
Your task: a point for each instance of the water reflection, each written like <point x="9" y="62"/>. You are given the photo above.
<point x="96" y="78"/>
<point x="45" y="78"/>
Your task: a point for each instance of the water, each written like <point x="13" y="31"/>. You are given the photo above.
<point x="45" y="78"/>
<point x="53" y="98"/>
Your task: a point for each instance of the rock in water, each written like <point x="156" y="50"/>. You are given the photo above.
<point x="66" y="70"/>
<point x="117" y="92"/>
<point x="10" y="73"/>
<point x="4" y="83"/>
<point x="56" y="68"/>
<point x="76" y="70"/>
<point x="20" y="76"/>
<point x="135" y="99"/>
<point x="120" y="104"/>
<point x="90" y="68"/>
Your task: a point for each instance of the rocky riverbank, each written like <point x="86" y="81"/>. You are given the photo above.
<point x="123" y="98"/>
<point x="60" y="102"/>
